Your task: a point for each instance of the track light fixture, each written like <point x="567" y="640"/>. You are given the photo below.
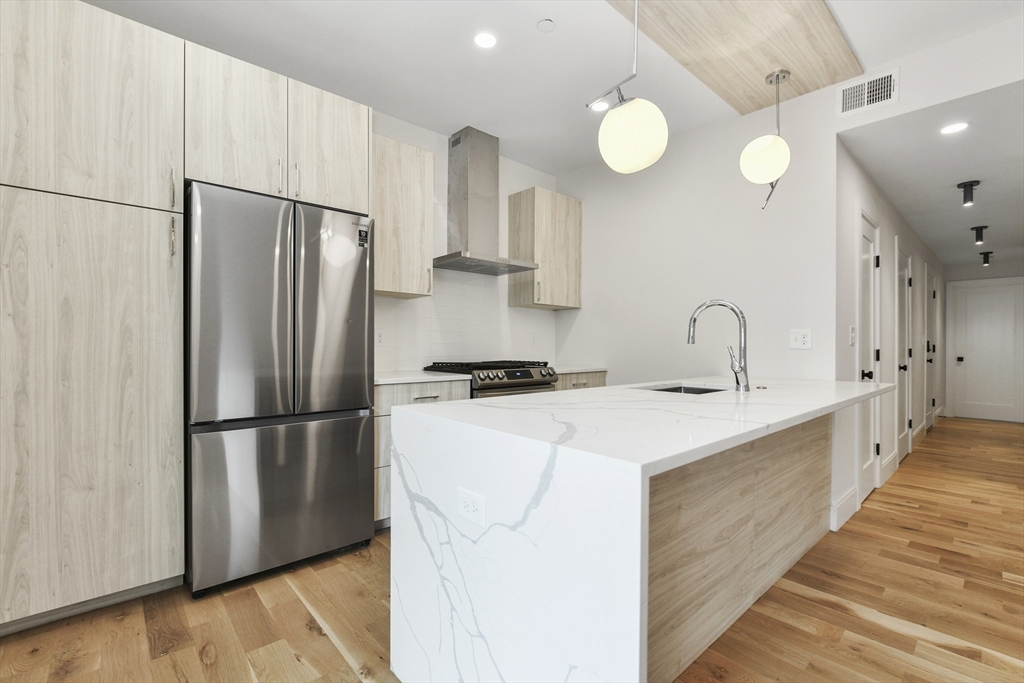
<point x="765" y="159"/>
<point x="979" y="236"/>
<point x="968" y="188"/>
<point x="634" y="132"/>
<point x="985" y="257"/>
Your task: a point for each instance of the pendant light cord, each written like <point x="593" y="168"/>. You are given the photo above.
<point x="778" y="124"/>
<point x="636" y="40"/>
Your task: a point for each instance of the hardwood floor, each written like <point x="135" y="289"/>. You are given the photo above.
<point x="319" y="621"/>
<point x="924" y="583"/>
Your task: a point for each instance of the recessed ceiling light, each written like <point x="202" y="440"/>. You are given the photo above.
<point x="485" y="40"/>
<point x="599" y="106"/>
<point x="545" y="26"/>
<point x="953" y="128"/>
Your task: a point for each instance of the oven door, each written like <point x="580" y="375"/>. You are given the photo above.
<point x="512" y="391"/>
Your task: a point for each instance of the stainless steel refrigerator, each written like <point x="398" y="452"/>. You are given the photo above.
<point x="279" y="382"/>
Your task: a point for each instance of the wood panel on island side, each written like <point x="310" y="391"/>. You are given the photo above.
<point x="924" y="583"/>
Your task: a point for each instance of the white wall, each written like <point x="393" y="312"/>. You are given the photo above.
<point x="468" y="317"/>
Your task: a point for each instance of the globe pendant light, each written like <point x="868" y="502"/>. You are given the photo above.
<point x="765" y="159"/>
<point x="634" y="133"/>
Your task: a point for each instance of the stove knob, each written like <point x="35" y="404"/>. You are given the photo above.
<point x="501" y="375"/>
<point x="490" y="375"/>
<point x="547" y="372"/>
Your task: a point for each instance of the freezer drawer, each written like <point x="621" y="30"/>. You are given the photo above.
<point x="240" y="299"/>
<point x="333" y="310"/>
<point x="267" y="496"/>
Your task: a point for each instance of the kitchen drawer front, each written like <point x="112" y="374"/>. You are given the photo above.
<point x="581" y="380"/>
<point x="382" y="440"/>
<point x="381" y="493"/>
<point x="388" y="395"/>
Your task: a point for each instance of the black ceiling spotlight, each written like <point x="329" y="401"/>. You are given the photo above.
<point x="985" y="256"/>
<point x="968" y="188"/>
<point x="979" y="236"/>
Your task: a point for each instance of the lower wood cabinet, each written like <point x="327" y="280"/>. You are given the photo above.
<point x="91" y="452"/>
<point x="581" y="380"/>
<point x="385" y="397"/>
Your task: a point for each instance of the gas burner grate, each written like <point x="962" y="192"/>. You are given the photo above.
<point x="466" y="368"/>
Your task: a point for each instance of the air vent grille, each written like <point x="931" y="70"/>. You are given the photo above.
<point x="868" y="93"/>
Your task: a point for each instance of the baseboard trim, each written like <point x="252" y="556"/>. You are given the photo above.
<point x="940" y="411"/>
<point x="382" y="524"/>
<point x="74" y="610"/>
<point x="887" y="467"/>
<point x="916" y="437"/>
<point x="842" y="509"/>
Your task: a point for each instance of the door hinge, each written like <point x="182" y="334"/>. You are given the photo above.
<point x="933" y="403"/>
<point x="910" y="282"/>
<point x="928" y="347"/>
<point x="910" y="424"/>
<point x="878" y="355"/>
<point x="878" y="449"/>
<point x="933" y="293"/>
<point x="910" y="353"/>
<point x="878" y="261"/>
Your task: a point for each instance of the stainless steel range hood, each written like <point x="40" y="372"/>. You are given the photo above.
<point x="473" y="207"/>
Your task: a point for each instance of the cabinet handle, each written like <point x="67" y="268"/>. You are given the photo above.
<point x="424" y="398"/>
<point x="430" y="281"/>
<point x="280" y="177"/>
<point x="174" y="190"/>
<point x="296" y="180"/>
<point x="584" y="383"/>
<point x="536" y="290"/>
<point x="174" y="235"/>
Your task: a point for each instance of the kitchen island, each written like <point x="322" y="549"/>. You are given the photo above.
<point x="600" y="534"/>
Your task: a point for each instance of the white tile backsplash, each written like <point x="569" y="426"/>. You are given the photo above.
<point x="467" y="317"/>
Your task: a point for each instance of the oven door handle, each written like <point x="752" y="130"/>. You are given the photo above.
<point x="513" y="391"/>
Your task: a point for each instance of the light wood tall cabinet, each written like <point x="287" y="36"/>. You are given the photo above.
<point x="328" y="149"/>
<point x="236" y="123"/>
<point x="90" y="104"/>
<point x="546" y="228"/>
<point x="403" y="202"/>
<point x="91" y="468"/>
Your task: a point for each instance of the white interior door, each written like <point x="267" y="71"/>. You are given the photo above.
<point x="988" y="344"/>
<point x="867" y="344"/>
<point x="931" y="308"/>
<point x="903" y="369"/>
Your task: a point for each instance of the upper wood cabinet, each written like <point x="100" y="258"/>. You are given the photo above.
<point x="403" y="202"/>
<point x="90" y="104"/>
<point x="328" y="149"/>
<point x="236" y="122"/>
<point x="546" y="228"/>
<point x="91" y="400"/>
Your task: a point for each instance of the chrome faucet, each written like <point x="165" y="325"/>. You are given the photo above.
<point x="739" y="367"/>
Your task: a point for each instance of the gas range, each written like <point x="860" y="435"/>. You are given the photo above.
<point x="503" y="377"/>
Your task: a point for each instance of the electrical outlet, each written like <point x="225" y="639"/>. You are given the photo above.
<point x="853" y="335"/>
<point x="471" y="506"/>
<point x="380" y="338"/>
<point x="799" y="339"/>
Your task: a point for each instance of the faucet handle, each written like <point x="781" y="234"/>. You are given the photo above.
<point x="735" y="363"/>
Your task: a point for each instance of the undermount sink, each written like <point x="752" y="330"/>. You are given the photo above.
<point x="688" y="390"/>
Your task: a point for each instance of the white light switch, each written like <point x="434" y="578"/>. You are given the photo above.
<point x="799" y="339"/>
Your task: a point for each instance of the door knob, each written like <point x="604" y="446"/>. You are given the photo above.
<point x="930" y="360"/>
<point x="903" y="368"/>
<point x="867" y="374"/>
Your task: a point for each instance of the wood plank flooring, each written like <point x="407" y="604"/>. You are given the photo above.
<point x="924" y="583"/>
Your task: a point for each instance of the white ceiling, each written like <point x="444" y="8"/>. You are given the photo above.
<point x="919" y="168"/>
<point x="415" y="59"/>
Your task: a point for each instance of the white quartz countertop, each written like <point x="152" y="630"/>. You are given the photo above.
<point x="413" y="376"/>
<point x="657" y="431"/>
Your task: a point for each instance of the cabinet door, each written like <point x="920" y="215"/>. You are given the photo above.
<point x="236" y="122"/>
<point x="403" y="201"/>
<point x="328" y="149"/>
<point x="92" y="104"/>
<point x="546" y="227"/>
<point x="90" y="400"/>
